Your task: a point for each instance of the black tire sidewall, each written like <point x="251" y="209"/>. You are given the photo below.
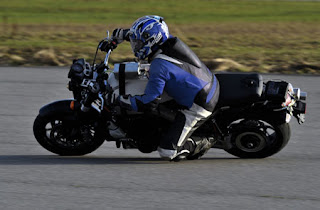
<point x="282" y="137"/>
<point x="40" y="135"/>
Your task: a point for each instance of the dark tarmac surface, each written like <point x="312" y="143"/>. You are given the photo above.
<point x="111" y="178"/>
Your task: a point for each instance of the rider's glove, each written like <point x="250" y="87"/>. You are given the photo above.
<point x="120" y="34"/>
<point x="106" y="46"/>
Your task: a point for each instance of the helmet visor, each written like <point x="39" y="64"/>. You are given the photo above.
<point x="136" y="45"/>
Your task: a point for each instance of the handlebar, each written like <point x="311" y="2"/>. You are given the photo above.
<point x="107" y="39"/>
<point x="106" y="59"/>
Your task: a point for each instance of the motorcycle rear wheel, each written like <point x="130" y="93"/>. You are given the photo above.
<point x="251" y="141"/>
<point x="61" y="135"/>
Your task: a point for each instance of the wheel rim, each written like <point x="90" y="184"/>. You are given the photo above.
<point x="68" y="136"/>
<point x="250" y="142"/>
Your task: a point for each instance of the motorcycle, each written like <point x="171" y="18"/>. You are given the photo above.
<point x="251" y="119"/>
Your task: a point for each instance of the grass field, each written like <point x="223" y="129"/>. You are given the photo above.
<point x="262" y="35"/>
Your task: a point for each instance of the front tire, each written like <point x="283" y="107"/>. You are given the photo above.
<point x="63" y="135"/>
<point x="252" y="139"/>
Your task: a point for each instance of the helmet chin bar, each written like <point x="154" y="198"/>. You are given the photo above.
<point x="143" y="53"/>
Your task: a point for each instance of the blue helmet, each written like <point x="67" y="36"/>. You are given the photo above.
<point x="147" y="34"/>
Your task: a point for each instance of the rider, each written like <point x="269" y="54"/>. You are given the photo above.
<point x="176" y="70"/>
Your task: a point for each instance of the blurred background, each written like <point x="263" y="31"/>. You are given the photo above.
<point x="280" y="36"/>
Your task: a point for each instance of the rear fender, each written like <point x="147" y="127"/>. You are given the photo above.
<point x="278" y="117"/>
<point x="227" y="115"/>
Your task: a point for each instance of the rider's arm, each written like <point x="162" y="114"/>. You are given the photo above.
<point x="157" y="79"/>
<point x="119" y="35"/>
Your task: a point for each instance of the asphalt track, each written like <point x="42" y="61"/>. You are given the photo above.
<point x="110" y="178"/>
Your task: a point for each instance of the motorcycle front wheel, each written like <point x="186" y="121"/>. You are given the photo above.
<point x="65" y="135"/>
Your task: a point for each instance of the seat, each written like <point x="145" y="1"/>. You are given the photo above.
<point x="237" y="89"/>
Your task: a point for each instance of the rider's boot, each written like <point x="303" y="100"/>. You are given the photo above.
<point x="201" y="146"/>
<point x="194" y="148"/>
<point x="184" y="151"/>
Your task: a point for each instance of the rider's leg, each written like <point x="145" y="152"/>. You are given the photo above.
<point x="185" y="123"/>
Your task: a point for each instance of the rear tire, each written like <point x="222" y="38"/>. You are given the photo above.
<point x="254" y="141"/>
<point x="63" y="135"/>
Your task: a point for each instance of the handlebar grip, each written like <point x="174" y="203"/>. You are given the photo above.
<point x="106" y="45"/>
